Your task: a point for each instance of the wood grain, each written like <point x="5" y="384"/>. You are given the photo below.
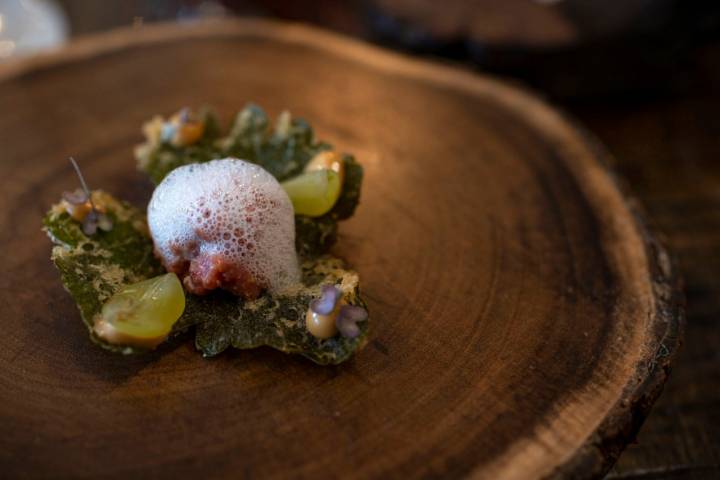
<point x="667" y="149"/>
<point x="524" y="319"/>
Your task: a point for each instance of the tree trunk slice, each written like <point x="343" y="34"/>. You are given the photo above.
<point x="523" y="318"/>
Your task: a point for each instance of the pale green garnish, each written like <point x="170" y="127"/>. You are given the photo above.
<point x="143" y="313"/>
<point x="313" y="193"/>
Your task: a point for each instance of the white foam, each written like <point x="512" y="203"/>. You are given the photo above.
<point x="231" y="207"/>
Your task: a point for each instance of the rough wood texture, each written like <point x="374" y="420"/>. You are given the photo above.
<point x="524" y="319"/>
<point x="667" y="148"/>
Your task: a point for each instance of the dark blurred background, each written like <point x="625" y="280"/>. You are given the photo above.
<point x="642" y="75"/>
<point x="570" y="49"/>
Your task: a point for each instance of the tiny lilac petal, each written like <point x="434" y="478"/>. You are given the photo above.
<point x="90" y="223"/>
<point x="348" y="319"/>
<point x="184" y="115"/>
<point x="78" y="197"/>
<point x="347" y="327"/>
<point x="355" y="313"/>
<point x="327" y="301"/>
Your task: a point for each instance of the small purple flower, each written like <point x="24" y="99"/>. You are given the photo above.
<point x="348" y="316"/>
<point x="90" y="224"/>
<point x="348" y="319"/>
<point x="94" y="218"/>
<point x="327" y="301"/>
<point x="78" y="197"/>
<point x="184" y="115"/>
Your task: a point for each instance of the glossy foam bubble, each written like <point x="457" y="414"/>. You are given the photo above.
<point x="229" y="207"/>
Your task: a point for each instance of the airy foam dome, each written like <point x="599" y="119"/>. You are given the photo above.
<point x="225" y="224"/>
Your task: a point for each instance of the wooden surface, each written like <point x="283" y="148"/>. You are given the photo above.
<point x="523" y="318"/>
<point x="667" y="149"/>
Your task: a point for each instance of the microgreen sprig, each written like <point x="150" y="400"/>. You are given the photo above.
<point x="94" y="219"/>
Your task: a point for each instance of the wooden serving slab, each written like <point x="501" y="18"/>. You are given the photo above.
<point x="523" y="318"/>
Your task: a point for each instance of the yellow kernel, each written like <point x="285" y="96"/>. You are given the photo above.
<point x="110" y="334"/>
<point x="188" y="130"/>
<point x="77" y="212"/>
<point x="321" y="326"/>
<point x="327" y="160"/>
<point x="188" y="133"/>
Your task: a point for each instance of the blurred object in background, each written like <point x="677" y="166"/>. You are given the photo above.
<point x="516" y="23"/>
<point x="88" y="16"/>
<point x="568" y="48"/>
<point x="27" y="26"/>
<point x="345" y="16"/>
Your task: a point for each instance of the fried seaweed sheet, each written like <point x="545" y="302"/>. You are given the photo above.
<point x="93" y="268"/>
<point x="283" y="149"/>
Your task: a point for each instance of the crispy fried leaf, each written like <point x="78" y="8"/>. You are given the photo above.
<point x="283" y="150"/>
<point x="159" y="160"/>
<point x="94" y="268"/>
<point x="279" y="321"/>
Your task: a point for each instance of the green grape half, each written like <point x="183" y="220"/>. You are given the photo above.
<point x="313" y="193"/>
<point x="142" y="314"/>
